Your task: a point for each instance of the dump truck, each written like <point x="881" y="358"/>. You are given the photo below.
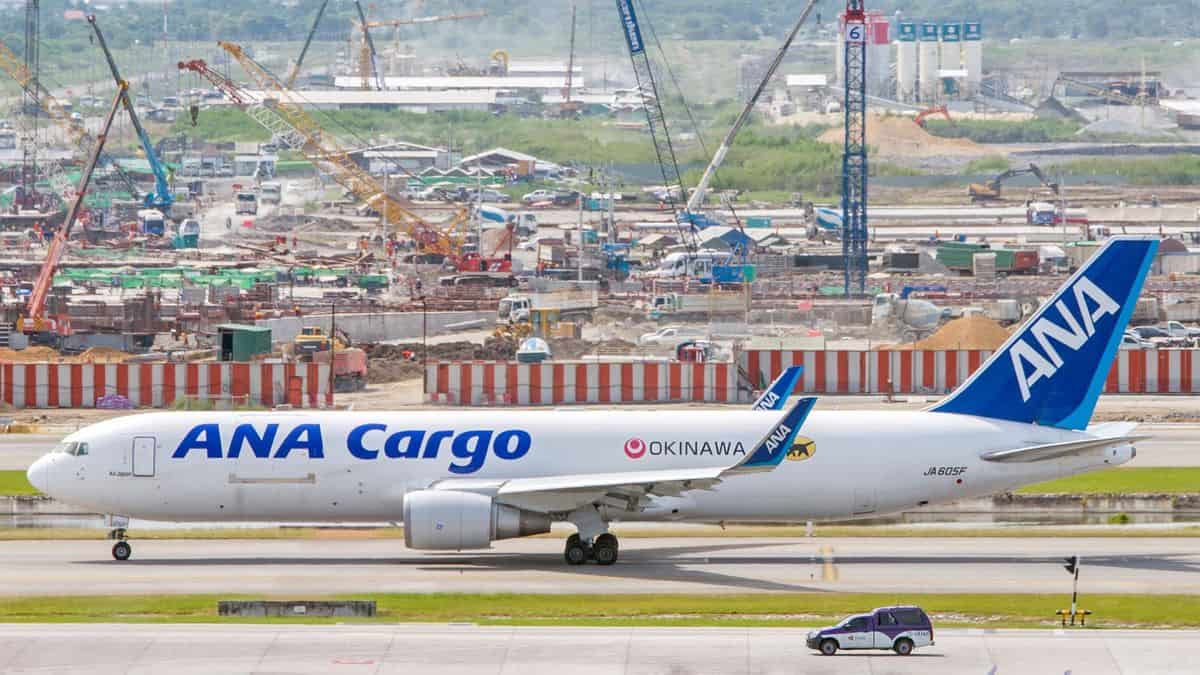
<point x="695" y="305"/>
<point x="567" y="304"/>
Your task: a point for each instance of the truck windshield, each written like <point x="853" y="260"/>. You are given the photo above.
<point x="505" y="308"/>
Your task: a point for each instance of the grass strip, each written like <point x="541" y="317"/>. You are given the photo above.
<point x="14" y="483"/>
<point x="993" y="610"/>
<point x="1160" y="480"/>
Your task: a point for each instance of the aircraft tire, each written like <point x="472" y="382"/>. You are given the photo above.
<point x="605" y="550"/>
<point x="122" y="550"/>
<point x="575" y="552"/>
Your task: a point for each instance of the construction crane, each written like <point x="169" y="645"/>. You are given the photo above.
<point x="54" y="109"/>
<point x="291" y="80"/>
<point x="696" y="201"/>
<point x="161" y="197"/>
<point x="281" y="113"/>
<point x="854" y="150"/>
<point x="32" y="64"/>
<point x="568" y="107"/>
<point x="982" y="192"/>
<point x="368" y="58"/>
<point x="656" y="119"/>
<point x="35" y="320"/>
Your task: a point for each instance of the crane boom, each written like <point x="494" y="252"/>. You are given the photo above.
<point x="656" y="119"/>
<point x="35" y="310"/>
<point x="291" y="81"/>
<point x="57" y="112"/>
<point x="696" y="201"/>
<point x="393" y="23"/>
<point x="289" y="122"/>
<point x="161" y="197"/>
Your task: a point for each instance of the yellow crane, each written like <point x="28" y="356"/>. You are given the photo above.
<point x="281" y="112"/>
<point x="366" y="46"/>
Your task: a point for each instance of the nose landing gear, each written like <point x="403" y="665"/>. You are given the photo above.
<point x="120" y="550"/>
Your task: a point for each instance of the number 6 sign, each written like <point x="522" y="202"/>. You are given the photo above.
<point x="856" y="32"/>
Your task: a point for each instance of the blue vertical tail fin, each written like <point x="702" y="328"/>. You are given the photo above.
<point x="776" y="396"/>
<point x="1052" y="370"/>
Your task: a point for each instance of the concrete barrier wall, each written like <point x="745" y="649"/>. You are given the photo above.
<point x="559" y="382"/>
<point x="375" y="327"/>
<point x="1163" y="371"/>
<point x="75" y="385"/>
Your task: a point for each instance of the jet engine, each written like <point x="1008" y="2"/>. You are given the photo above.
<point x="447" y="520"/>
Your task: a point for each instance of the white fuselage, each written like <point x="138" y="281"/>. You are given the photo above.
<point x="859" y="463"/>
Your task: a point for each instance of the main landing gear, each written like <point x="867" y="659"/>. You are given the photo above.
<point x="593" y="541"/>
<point x="120" y="550"/>
<point x="602" y="550"/>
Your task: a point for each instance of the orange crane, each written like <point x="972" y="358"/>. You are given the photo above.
<point x="35" y="320"/>
<point x="281" y="112"/>
<point x="366" y="47"/>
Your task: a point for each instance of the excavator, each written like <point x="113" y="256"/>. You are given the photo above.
<point x="930" y="112"/>
<point x="983" y="192"/>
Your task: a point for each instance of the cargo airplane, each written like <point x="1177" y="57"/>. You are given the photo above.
<point x="462" y="479"/>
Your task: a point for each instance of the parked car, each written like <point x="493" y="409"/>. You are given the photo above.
<point x="900" y="629"/>
<point x="537" y="196"/>
<point x="1177" y="330"/>
<point x="493" y="196"/>
<point x="566" y="198"/>
<point x="670" y="336"/>
<point x="1130" y="340"/>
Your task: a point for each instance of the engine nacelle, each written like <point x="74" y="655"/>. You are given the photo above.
<point x="446" y="520"/>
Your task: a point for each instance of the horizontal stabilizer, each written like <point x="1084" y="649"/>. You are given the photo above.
<point x="1038" y="453"/>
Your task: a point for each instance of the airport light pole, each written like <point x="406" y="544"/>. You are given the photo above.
<point x="1072" y="567"/>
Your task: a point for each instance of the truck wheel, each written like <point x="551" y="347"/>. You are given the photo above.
<point x="903" y="646"/>
<point x="829" y="646"/>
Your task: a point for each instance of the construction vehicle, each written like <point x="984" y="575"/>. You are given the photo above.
<point x="35" y="322"/>
<point x="566" y="305"/>
<point x="313" y="345"/>
<point x="679" y="306"/>
<point x="931" y="111"/>
<point x="910" y="318"/>
<point x="161" y="197"/>
<point x="283" y="114"/>
<point x="982" y="192"/>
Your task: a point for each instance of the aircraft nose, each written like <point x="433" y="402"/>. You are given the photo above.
<point x="39" y="474"/>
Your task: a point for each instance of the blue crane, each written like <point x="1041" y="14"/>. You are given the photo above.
<point x="854" y="151"/>
<point x="656" y="119"/>
<point x="161" y="197"/>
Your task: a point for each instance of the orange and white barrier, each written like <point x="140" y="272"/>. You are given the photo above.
<point x="155" y="385"/>
<point x="559" y="382"/>
<point x="1163" y="371"/>
<point x="865" y="372"/>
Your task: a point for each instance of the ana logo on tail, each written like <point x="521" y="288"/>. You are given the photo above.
<point x="1091" y="304"/>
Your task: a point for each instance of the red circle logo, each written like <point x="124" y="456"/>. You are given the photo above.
<point x="635" y="448"/>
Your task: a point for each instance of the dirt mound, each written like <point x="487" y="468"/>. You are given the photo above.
<point x="101" y="355"/>
<point x="394" y="363"/>
<point x="30" y="355"/>
<point x="968" y="332"/>
<point x="285" y="223"/>
<point x="893" y="136"/>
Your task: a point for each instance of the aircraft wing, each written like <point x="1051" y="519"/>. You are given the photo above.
<point x="1038" y="453"/>
<point x="630" y="490"/>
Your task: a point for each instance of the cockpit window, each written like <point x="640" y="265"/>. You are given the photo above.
<point x="75" y="449"/>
